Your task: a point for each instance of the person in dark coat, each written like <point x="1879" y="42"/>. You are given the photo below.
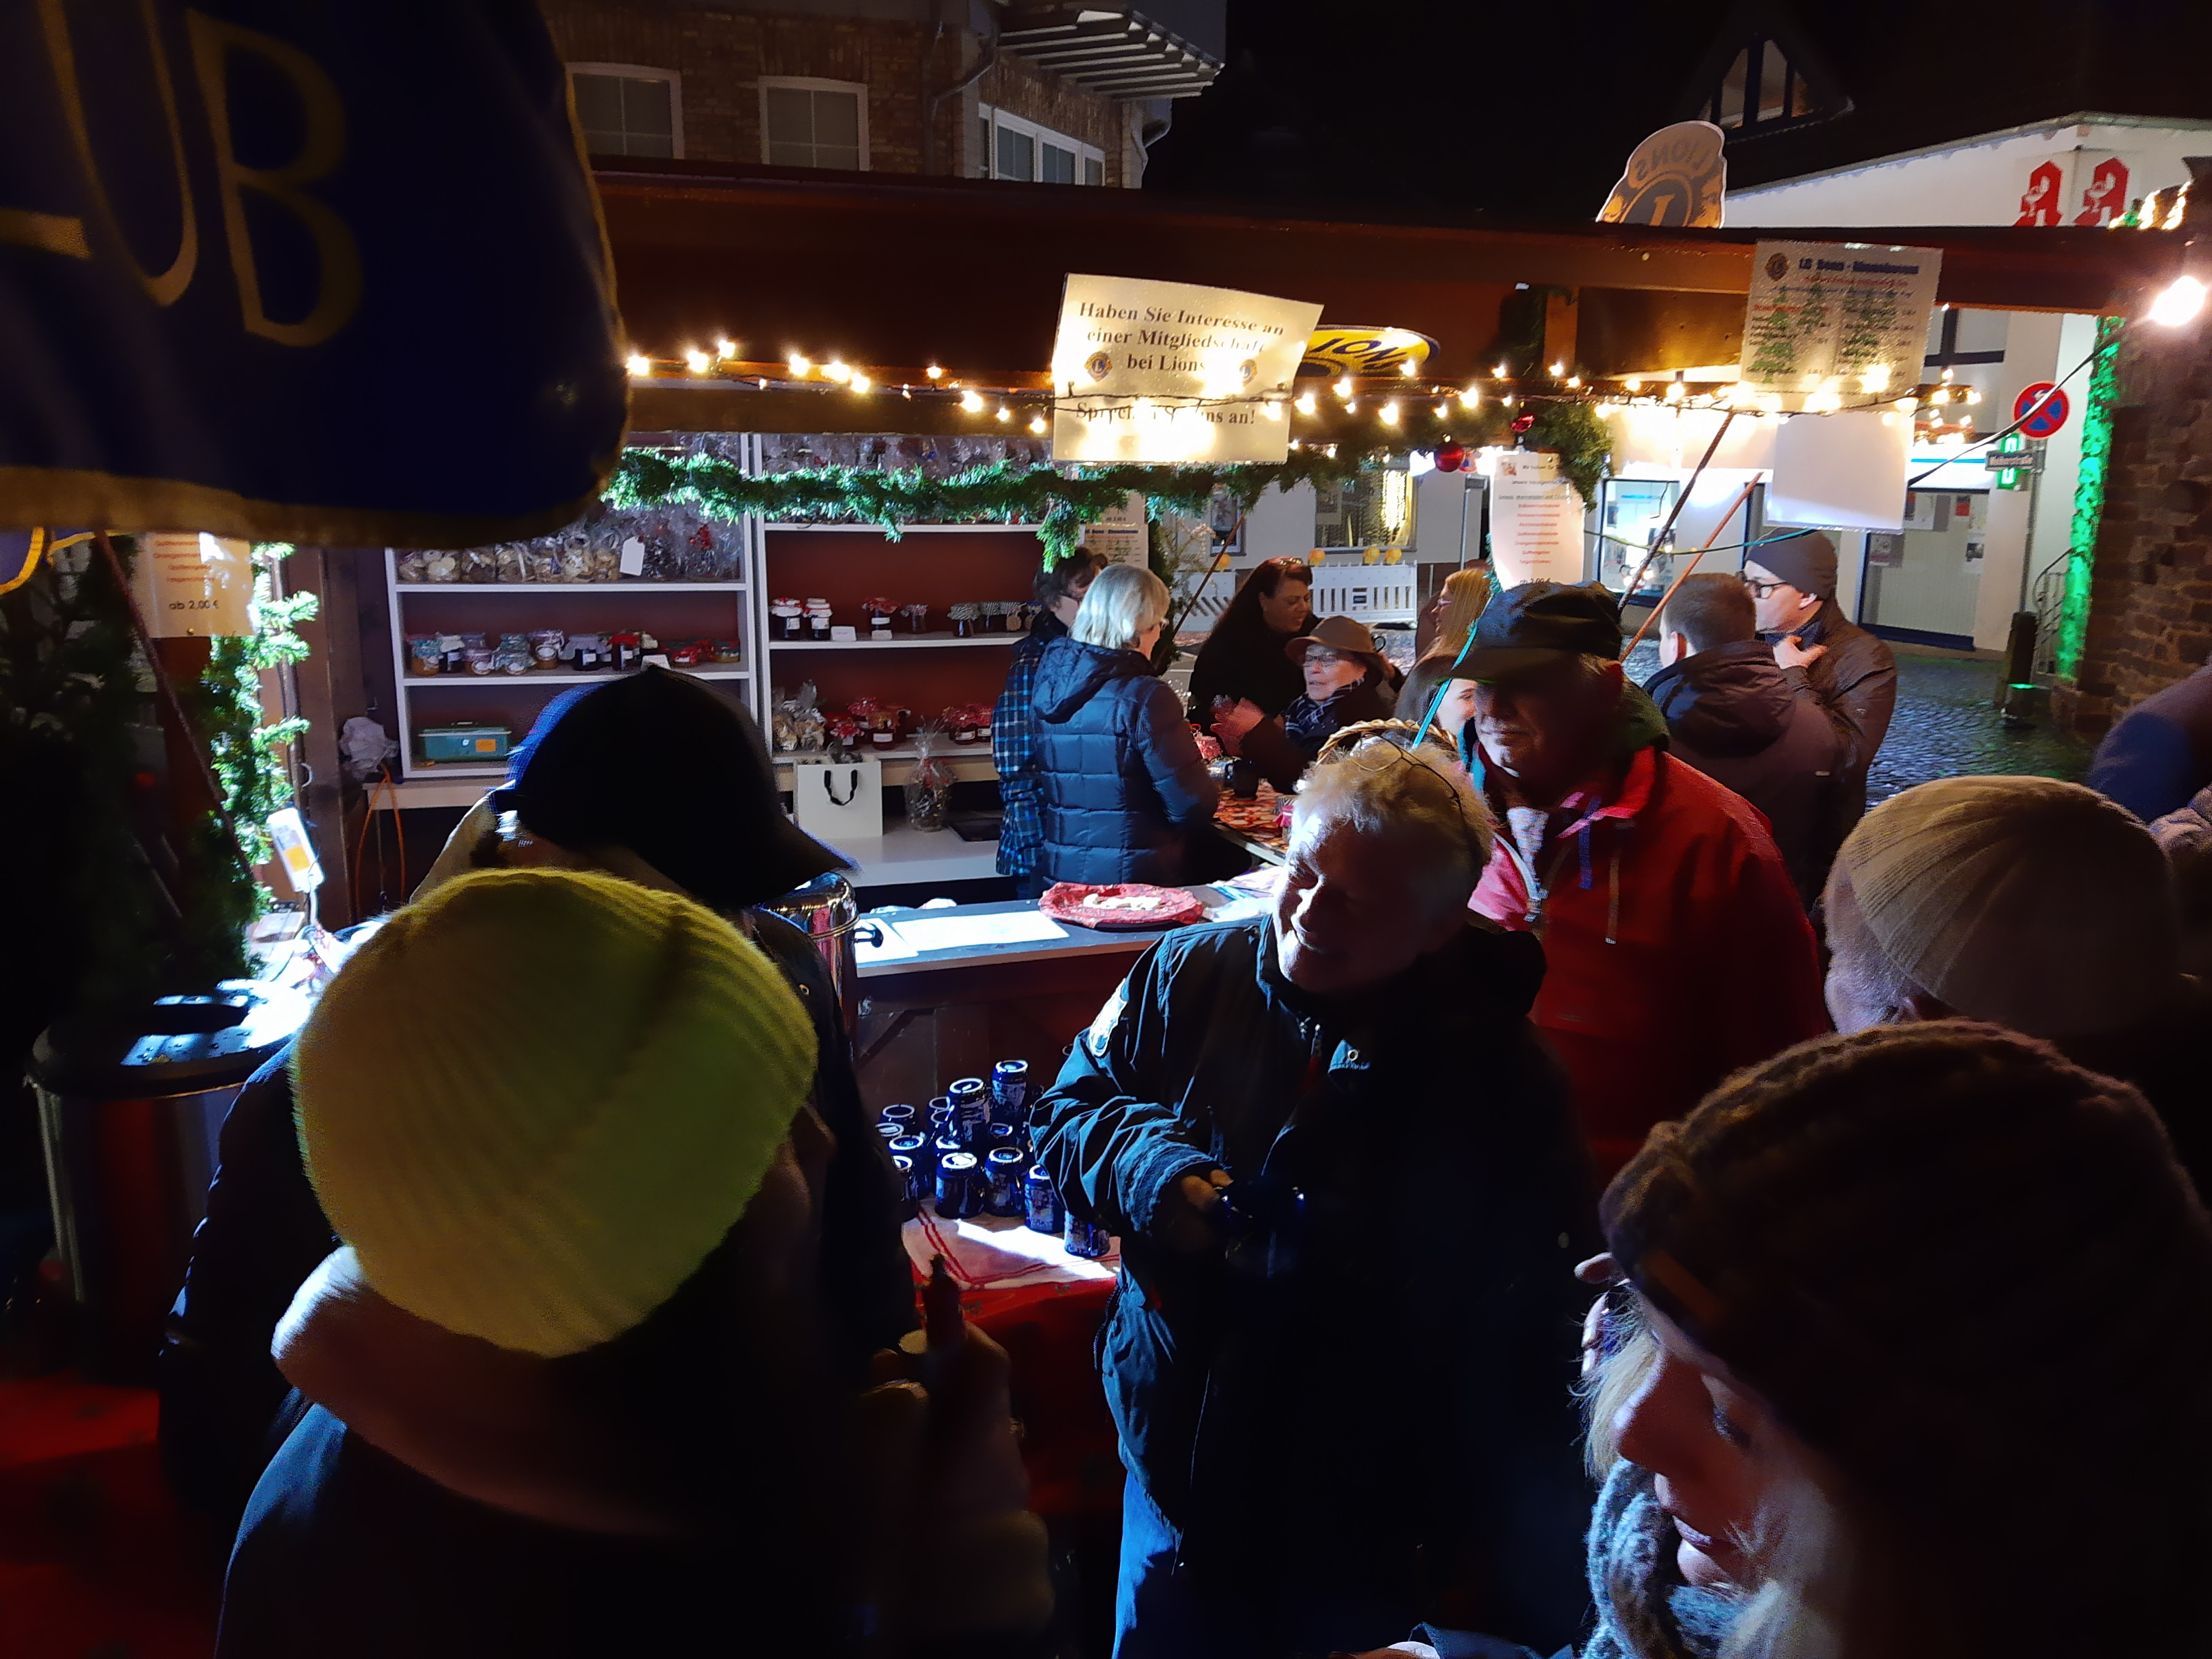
<point x="1733" y="715"/>
<point x="587" y="789"/>
<point x="1348" y="681"/>
<point x="1350" y="1195"/>
<point x="2159" y="754"/>
<point x="1060" y="590"/>
<point x="1242" y="658"/>
<point x="1127" y="795"/>
<point x="1853" y="673"/>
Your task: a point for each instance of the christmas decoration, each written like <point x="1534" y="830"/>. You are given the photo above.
<point x="1450" y="458"/>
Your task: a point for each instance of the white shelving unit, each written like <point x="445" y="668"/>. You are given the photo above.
<point x="901" y="641"/>
<point x="415" y="608"/>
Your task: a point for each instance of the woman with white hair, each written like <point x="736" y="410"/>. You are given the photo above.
<point x="1127" y="795"/>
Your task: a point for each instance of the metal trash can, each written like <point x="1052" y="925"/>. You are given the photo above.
<point x="129" y="1111"/>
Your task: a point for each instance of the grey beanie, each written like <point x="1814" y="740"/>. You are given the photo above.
<point x="1806" y="561"/>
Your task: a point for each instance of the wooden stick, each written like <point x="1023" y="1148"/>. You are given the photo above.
<point x="1681" y="501"/>
<point x="1743" y="495"/>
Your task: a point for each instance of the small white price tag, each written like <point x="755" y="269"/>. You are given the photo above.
<point x="633" y="556"/>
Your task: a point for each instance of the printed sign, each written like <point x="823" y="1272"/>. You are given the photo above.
<point x="264" y="272"/>
<point x="1675" y="177"/>
<point x="2104" y="196"/>
<point x="2050" y="407"/>
<point x="1122" y="535"/>
<point x="1535" y="520"/>
<point x="1349" y="350"/>
<point x="2044" y="201"/>
<point x="1168" y="372"/>
<point x="193" y="587"/>
<point x="1840" y="321"/>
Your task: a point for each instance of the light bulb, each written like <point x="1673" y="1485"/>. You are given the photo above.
<point x="971" y="402"/>
<point x="935" y="373"/>
<point x="1558" y="369"/>
<point x="1947" y="375"/>
<point x="1273" y="411"/>
<point x="695" y="362"/>
<point x="1005" y="414"/>
<point x="726" y="348"/>
<point x="1941" y="395"/>
<point x="800" y="365"/>
<point x="1346" y="388"/>
<point x="861" y="383"/>
<point x="640" y="366"/>
<point x="1036" y="425"/>
<point x="837" y="371"/>
<point x="1390" y="412"/>
<point x="2180" y="304"/>
<point x="1306" y="405"/>
<point x="1443" y="410"/>
<point x="1501" y="372"/>
<point x="1673" y="391"/>
<point x="1972" y="396"/>
<point x="1407" y="367"/>
<point x="1505" y="402"/>
<point x="1574" y="382"/>
<point x="1470" y="398"/>
<point x="1632" y="385"/>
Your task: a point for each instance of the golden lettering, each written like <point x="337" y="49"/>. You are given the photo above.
<point x="322" y="148"/>
<point x="54" y="232"/>
<point x="166" y="287"/>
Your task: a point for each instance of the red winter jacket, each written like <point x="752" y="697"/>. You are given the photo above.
<point x="1677" y="952"/>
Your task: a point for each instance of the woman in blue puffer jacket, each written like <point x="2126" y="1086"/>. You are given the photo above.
<point x="1127" y="795"/>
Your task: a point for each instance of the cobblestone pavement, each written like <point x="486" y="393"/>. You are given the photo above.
<point x="1945" y="726"/>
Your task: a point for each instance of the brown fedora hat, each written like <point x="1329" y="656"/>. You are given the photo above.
<point x="1342" y="633"/>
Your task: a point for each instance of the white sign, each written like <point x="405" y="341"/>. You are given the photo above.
<point x="1168" y="372"/>
<point x="193" y="587"/>
<point x="1842" y="471"/>
<point x="1535" y="520"/>
<point x="1122" y="535"/>
<point x="1829" y="324"/>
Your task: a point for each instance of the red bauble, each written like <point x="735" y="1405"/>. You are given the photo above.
<point x="1449" y="458"/>
<point x="1522" y="422"/>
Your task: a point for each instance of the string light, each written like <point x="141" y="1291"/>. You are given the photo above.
<point x="1470" y="398"/>
<point x="1036" y="425"/>
<point x="726" y="349"/>
<point x="1345" y="387"/>
<point x="1500" y="373"/>
<point x="861" y="383"/>
<point x="1273" y="411"/>
<point x="1941" y="394"/>
<point x="1674" y="392"/>
<point x="799" y="365"/>
<point x="1632" y="384"/>
<point x="837" y="371"/>
<point x="971" y="402"/>
<point x="1306" y="405"/>
<point x="1574" y="382"/>
<point x="2179" y="303"/>
<point x="1389" y="413"/>
<point x="1407" y="369"/>
<point x="1442" y="409"/>
<point x="697" y="361"/>
<point x="1558" y="369"/>
<point x="1505" y="402"/>
<point x="935" y="373"/>
<point x="641" y="367"/>
<point x="1005" y="414"/>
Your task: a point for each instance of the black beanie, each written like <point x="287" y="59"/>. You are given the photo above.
<point x="1807" y="561"/>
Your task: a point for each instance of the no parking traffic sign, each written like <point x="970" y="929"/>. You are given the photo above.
<point x="2050" y="418"/>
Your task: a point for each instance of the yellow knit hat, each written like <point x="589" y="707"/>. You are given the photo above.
<point x="2036" y="904"/>
<point x="536" y="1101"/>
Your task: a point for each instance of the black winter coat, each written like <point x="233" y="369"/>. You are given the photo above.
<point x="1246" y="660"/>
<point x="1126" y="791"/>
<point x="1283" y="750"/>
<point x="1856" y="681"/>
<point x="1738" y="718"/>
<point x="225" y="1406"/>
<point x="1389" y="1415"/>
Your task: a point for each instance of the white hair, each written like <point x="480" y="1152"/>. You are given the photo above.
<point x="1122" y="603"/>
<point x="1368" y="776"/>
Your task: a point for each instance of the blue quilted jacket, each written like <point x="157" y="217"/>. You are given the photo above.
<point x="1121" y="772"/>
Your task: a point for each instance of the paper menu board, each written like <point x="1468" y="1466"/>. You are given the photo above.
<point x="925" y="932"/>
<point x="193" y="587"/>
<point x="1535" y="520"/>
<point x="1846" y="321"/>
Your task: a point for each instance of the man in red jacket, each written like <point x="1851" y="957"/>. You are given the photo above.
<point x="1677" y="949"/>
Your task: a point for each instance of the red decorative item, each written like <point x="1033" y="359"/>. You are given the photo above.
<point x="1522" y="422"/>
<point x="1120" y="906"/>
<point x="703" y="539"/>
<point x="1450" y="458"/>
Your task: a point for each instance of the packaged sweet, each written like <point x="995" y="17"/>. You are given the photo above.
<point x="626" y="650"/>
<point x="965" y="616"/>
<point x="512" y="567"/>
<point x="929" y="790"/>
<point x="423" y="654"/>
<point x="817" y="618"/>
<point x="408" y="566"/>
<point x="543" y="557"/>
<point x="664" y="557"/>
<point x="513" y="656"/>
<point x="547" y="646"/>
<point x="441" y="566"/>
<point x="790" y="617"/>
<point x="478" y="659"/>
<point x="480" y="564"/>
<point x="729" y="650"/>
<point x="917" y="617"/>
<point x="689" y="654"/>
<point x="587" y="653"/>
<point x="452" y="651"/>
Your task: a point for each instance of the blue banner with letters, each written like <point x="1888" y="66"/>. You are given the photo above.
<point x="317" y="270"/>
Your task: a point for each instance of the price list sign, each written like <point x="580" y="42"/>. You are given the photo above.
<point x="194" y="586"/>
<point x="1834" y="325"/>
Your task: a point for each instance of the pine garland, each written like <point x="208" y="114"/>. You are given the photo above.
<point x="247" y="756"/>
<point x="1060" y="503"/>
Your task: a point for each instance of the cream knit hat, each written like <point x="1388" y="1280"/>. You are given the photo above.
<point x="2039" y="905"/>
<point x="536" y="1101"/>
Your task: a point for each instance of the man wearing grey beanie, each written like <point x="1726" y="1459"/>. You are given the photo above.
<point x="1852" y="673"/>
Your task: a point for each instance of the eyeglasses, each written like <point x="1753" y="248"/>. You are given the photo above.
<point x="1759" y="590"/>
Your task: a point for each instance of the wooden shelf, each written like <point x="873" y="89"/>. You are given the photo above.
<point x="537" y="676"/>
<point x="629" y="585"/>
<point x="897" y="642"/>
<point x="970" y="763"/>
<point x="774" y="528"/>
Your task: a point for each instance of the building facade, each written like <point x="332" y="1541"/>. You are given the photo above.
<point x="1044" y="92"/>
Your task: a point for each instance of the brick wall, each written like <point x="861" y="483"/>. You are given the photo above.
<point x="722" y="55"/>
<point x="2150" y="594"/>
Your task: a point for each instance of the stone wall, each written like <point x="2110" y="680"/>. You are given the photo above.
<point x="722" y="53"/>
<point x="2149" y="618"/>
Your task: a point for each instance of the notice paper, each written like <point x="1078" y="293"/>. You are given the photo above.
<point x="965" y="932"/>
<point x="1843" y="472"/>
<point x="1535" y="520"/>
<point x="1840" y="321"/>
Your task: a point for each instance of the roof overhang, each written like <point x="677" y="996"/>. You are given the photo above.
<point x="1113" y="50"/>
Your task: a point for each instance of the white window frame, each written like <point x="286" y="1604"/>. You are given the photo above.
<point x="813" y="83"/>
<point x="995" y="119"/>
<point x="644" y="72"/>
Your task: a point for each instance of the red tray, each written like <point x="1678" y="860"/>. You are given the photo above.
<point x="1128" y="905"/>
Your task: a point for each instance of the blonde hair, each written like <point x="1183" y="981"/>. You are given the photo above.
<point x="1122" y="603"/>
<point x="1368" y="775"/>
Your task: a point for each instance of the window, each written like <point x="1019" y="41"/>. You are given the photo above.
<point x="626" y="110"/>
<point x="1015" y="149"/>
<point x="1761" y="88"/>
<point x="814" y="124"/>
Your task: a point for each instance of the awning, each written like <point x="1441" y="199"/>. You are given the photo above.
<point x="1114" y="49"/>
<point x="967" y="273"/>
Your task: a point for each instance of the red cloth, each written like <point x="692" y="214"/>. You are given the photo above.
<point x="1677" y="952"/>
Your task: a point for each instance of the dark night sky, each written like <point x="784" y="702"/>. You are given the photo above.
<point x="1519" y="110"/>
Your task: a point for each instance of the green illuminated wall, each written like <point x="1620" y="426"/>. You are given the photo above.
<point x="2088" y="498"/>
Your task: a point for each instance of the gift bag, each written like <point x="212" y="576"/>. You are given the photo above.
<point x="839" y="800"/>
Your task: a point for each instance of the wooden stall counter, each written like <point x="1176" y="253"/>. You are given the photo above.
<point x="952" y="991"/>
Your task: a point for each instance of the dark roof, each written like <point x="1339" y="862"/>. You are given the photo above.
<point x="1917" y="76"/>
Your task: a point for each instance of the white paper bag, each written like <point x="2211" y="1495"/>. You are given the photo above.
<point x="839" y="801"/>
